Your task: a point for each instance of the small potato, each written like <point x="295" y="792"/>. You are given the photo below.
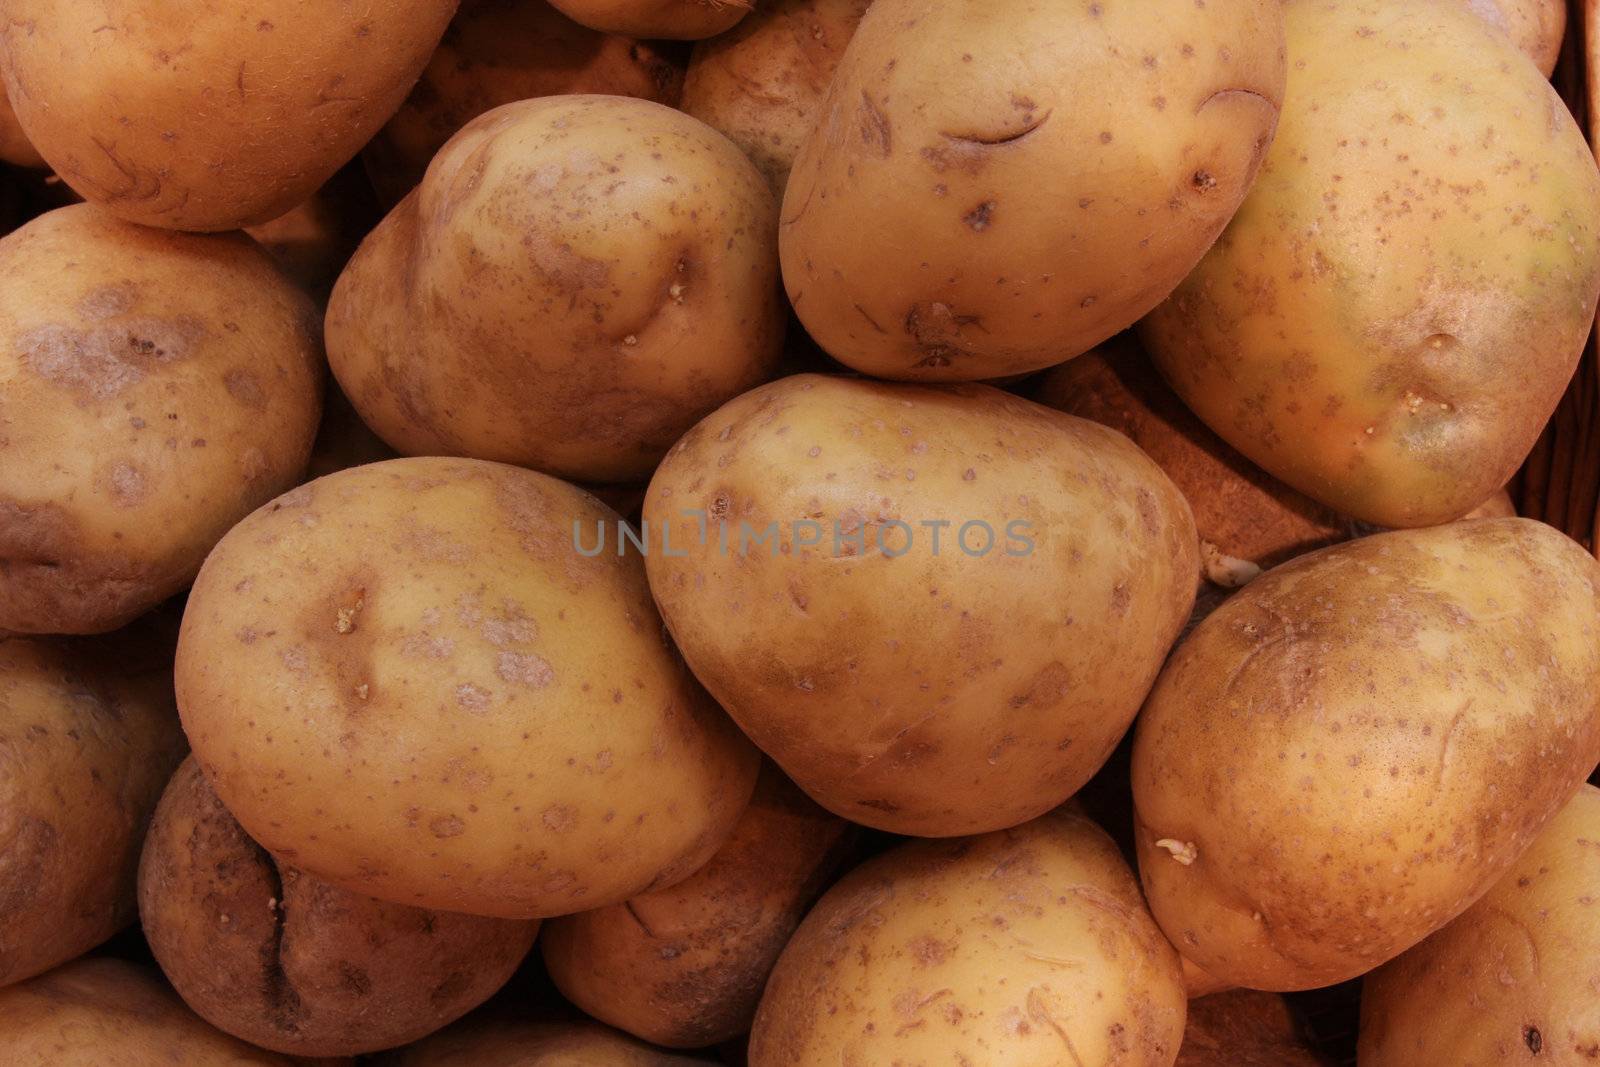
<point x="343" y="440"/>
<point x="575" y="283"/>
<point x="1029" y="947"/>
<point x="502" y="1044"/>
<point x="672" y="20"/>
<point x="1534" y="26"/>
<point x="282" y="960"/>
<point x="209" y="116"/>
<point x="1198" y="983"/>
<point x="937" y="609"/>
<point x="1246" y="1029"/>
<point x="684" y="966"/>
<point x="1352" y="749"/>
<point x="15" y="148"/>
<point x="1497" y="506"/>
<point x="313" y="241"/>
<point x="157" y="387"/>
<point x="1511" y="981"/>
<point x="405" y="680"/>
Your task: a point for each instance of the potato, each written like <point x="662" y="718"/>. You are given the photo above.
<point x="1497" y="506"/>
<point x="1513" y="979"/>
<point x="503" y="1044"/>
<point x="209" y="117"/>
<point x="157" y="387"/>
<point x="313" y="241"/>
<point x="290" y="963"/>
<point x="1198" y="984"/>
<point x="1244" y="1029"/>
<point x="993" y="188"/>
<point x="1006" y="950"/>
<point x="499" y="51"/>
<point x="404" y="680"/>
<point x="684" y="966"/>
<point x="577" y="281"/>
<point x="343" y="440"/>
<point x="762" y="83"/>
<point x="88" y="734"/>
<point x="15" y="148"/>
<point x="673" y="20"/>
<point x="1351" y="332"/>
<point x="873" y="652"/>
<point x="1350" y="751"/>
<point x="1534" y="26"/>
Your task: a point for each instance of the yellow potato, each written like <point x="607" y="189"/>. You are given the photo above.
<point x="1534" y="26"/>
<point x="676" y="20"/>
<point x="1396" y="309"/>
<point x="505" y="1044"/>
<point x="577" y="281"/>
<point x="405" y="680"/>
<point x="1349" y="752"/>
<point x="1244" y="1029"/>
<point x="15" y="148"/>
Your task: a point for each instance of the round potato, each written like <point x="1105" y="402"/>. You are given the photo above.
<point x="205" y="116"/>
<point x="684" y="966"/>
<point x="1534" y="26"/>
<point x="998" y="951"/>
<point x="673" y="20"/>
<point x="938" y="609"/>
<point x="995" y="187"/>
<point x="505" y="1044"/>
<point x="1350" y="332"/>
<point x="1350" y="751"/>
<point x="1513" y="979"/>
<point x="449" y="705"/>
<point x="575" y="283"/>
<point x="15" y="148"/>
<point x="287" y="962"/>
<point x="1245" y="1029"/>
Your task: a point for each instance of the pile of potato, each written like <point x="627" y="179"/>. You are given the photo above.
<point x="840" y="533"/>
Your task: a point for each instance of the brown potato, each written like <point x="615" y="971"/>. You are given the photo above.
<point x="15" y="148"/>
<point x="684" y="966"/>
<point x="1245" y="1029"/>
<point x="577" y="281"/>
<point x="200" y="117"/>
<point x="282" y="960"/>
<point x="503" y="1044"/>
<point x="158" y="386"/>
<point x="1534" y="26"/>
<point x="673" y="20"/>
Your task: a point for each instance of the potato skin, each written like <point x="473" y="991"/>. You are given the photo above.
<point x="315" y="239"/>
<point x="140" y="106"/>
<point x="955" y="952"/>
<point x="1356" y="745"/>
<point x="1348" y="333"/>
<point x="282" y="960"/>
<point x="673" y="20"/>
<point x="504" y="1044"/>
<point x="963" y="211"/>
<point x="1534" y="26"/>
<point x="158" y="386"/>
<point x="575" y="283"/>
<point x="15" y="148"/>
<point x="684" y="966"/>
<point x="1244" y="1028"/>
<point x="897" y="690"/>
<point x="1512" y="980"/>
<point x="498" y="718"/>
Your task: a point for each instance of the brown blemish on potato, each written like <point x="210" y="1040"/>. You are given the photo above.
<point x="524" y="668"/>
<point x="105" y="360"/>
<point x="874" y="126"/>
<point x="978" y="218"/>
<point x="446" y="826"/>
<point x="245" y="387"/>
<point x="126" y="484"/>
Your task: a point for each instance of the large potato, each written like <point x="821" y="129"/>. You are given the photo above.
<point x="405" y="680"/>
<point x="1534" y="26"/>
<point x="502" y="1044"/>
<point x="1513" y="980"/>
<point x="154" y="388"/>
<point x="1351" y="750"/>
<point x="578" y="279"/>
<point x="961" y="601"/>
<point x="285" y="961"/>
<point x="1394" y="312"/>
<point x="1245" y="1029"/>
<point x="676" y="20"/>
<point x="995" y="186"/>
<point x="209" y="116"/>
<point x="1023" y="948"/>
<point x="684" y="966"/>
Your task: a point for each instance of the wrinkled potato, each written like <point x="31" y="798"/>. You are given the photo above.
<point x="506" y="1044"/>
<point x="499" y="51"/>
<point x="922" y="679"/>
<point x="202" y="116"/>
<point x="290" y="963"/>
<point x="156" y="388"/>
<point x="684" y="966"/>
<point x="1350" y="751"/>
<point x="15" y="148"/>
<point x="449" y="705"/>
<point x="88" y="734"/>
<point x="1534" y="26"/>
<point x="762" y="83"/>
<point x="1512" y="980"/>
<point x="1245" y="1029"/>
<point x="1350" y="332"/>
<point x="993" y="188"/>
<point x="995" y="951"/>
<point x="672" y="20"/>
<point x="314" y="240"/>
<point x="577" y="281"/>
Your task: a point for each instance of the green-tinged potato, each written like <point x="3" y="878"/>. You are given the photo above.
<point x="1352" y="749"/>
<point x="448" y="705"/>
<point x="1245" y="1029"/>
<point x="209" y="116"/>
<point x="88" y="734"/>
<point x="673" y="20"/>
<point x="15" y="148"/>
<point x="762" y="83"/>
<point x="685" y="966"/>
<point x="504" y="1044"/>
<point x="574" y="284"/>
<point x="1534" y="26"/>
<point x="995" y="186"/>
<point x="499" y="51"/>
<point x="154" y="388"/>
<point x="937" y="608"/>
<point x="1028" y="947"/>
<point x="1396" y="309"/>
<point x="283" y="960"/>
<point x="314" y="240"/>
<point x="1515" y="979"/>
